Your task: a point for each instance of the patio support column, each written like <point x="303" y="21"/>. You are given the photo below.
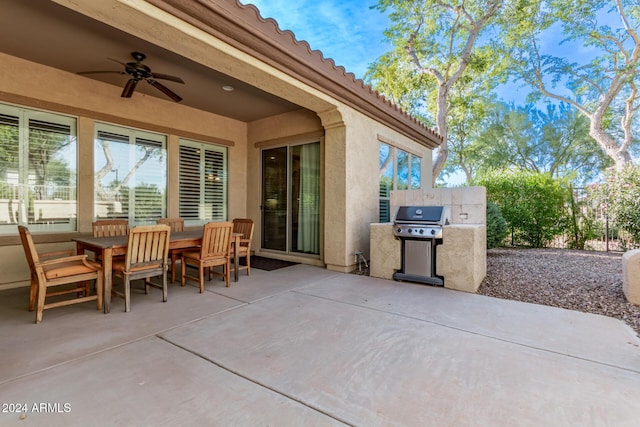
<point x="335" y="191"/>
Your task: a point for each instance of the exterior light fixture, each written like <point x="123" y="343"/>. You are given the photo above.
<point x="228" y="88"/>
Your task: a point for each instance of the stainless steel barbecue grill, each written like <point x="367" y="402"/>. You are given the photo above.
<point x="420" y="230"/>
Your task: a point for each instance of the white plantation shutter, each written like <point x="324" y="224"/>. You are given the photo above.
<point x="202" y="182"/>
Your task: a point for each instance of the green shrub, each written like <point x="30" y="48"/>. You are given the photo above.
<point x="581" y="223"/>
<point x="533" y="204"/>
<point x="496" y="226"/>
<point x="619" y="195"/>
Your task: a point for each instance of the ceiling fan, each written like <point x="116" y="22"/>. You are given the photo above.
<point x="138" y="71"/>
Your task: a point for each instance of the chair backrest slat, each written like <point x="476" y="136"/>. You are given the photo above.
<point x="243" y="226"/>
<point x="176" y="224"/>
<point x="216" y="239"/>
<point x="110" y="227"/>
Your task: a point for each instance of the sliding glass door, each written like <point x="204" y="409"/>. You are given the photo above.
<point x="291" y="199"/>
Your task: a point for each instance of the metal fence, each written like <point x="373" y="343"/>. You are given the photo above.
<point x="606" y="235"/>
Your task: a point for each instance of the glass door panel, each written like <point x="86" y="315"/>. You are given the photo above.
<point x="274" y="199"/>
<point x="305" y="198"/>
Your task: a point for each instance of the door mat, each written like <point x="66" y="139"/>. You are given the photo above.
<point x="268" y="264"/>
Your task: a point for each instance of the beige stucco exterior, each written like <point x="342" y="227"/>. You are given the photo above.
<point x="631" y="276"/>
<point x="349" y="139"/>
<point x="461" y="258"/>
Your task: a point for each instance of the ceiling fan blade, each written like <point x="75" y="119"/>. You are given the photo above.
<point x="167" y="77"/>
<point x="162" y="88"/>
<point x="100" y="72"/>
<point x="129" y="88"/>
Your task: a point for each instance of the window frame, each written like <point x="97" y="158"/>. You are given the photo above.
<point x="395" y="154"/>
<point x="46" y="223"/>
<point x="134" y="136"/>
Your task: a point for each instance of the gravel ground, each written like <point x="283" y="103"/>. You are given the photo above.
<point x="586" y="281"/>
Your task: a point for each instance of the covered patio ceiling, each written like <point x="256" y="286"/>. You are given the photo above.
<point x="47" y="33"/>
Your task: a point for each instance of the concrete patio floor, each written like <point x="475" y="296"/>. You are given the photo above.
<point x="303" y="346"/>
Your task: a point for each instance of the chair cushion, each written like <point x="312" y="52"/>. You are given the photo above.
<point x="195" y="257"/>
<point x="66" y="269"/>
<point x="119" y="265"/>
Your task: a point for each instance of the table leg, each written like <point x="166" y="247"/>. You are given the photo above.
<point x="107" y="267"/>
<point x="235" y="259"/>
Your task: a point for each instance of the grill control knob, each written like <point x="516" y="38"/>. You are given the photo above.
<point x="433" y="231"/>
<point x="399" y="230"/>
<point x="421" y="231"/>
<point x="410" y="231"/>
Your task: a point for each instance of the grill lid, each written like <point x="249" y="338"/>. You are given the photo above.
<point x="438" y="215"/>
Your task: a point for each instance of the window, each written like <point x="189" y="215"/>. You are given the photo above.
<point x="203" y="182"/>
<point x="399" y="170"/>
<point x="130" y="174"/>
<point x="38" y="166"/>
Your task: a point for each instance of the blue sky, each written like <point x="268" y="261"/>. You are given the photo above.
<point x="347" y="31"/>
<point x="351" y="33"/>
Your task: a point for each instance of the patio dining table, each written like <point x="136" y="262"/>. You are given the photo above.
<point x="109" y="247"/>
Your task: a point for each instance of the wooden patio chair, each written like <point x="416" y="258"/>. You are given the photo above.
<point x="147" y="257"/>
<point x="243" y="226"/>
<point x="110" y="227"/>
<point x="57" y="272"/>
<point x="214" y="251"/>
<point x="177" y="225"/>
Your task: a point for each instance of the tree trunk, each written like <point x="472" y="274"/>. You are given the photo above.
<point x="443" y="130"/>
<point x="620" y="156"/>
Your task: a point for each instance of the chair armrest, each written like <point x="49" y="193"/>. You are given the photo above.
<point x="67" y="252"/>
<point x="62" y="260"/>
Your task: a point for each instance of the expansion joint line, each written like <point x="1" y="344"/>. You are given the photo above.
<point x="256" y="382"/>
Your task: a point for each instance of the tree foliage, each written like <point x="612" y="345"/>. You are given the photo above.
<point x="532" y="204"/>
<point x="470" y="108"/>
<point x="448" y="57"/>
<point x="619" y="194"/>
<point x="436" y="43"/>
<point x="555" y="141"/>
<point x="603" y="86"/>
<point x="496" y="226"/>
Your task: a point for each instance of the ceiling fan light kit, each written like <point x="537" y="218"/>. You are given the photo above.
<point x="138" y="72"/>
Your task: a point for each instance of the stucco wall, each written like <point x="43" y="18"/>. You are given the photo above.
<point x="350" y="150"/>
<point x="296" y="127"/>
<point x="362" y="182"/>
